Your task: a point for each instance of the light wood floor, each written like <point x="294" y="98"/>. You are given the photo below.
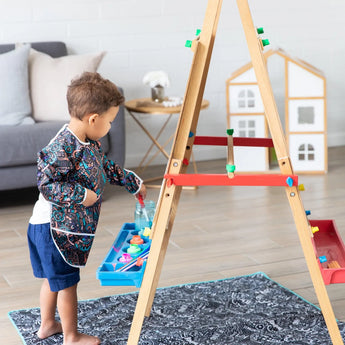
<point x="219" y="232"/>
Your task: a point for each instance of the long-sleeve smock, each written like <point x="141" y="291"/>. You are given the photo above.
<point x="66" y="168"/>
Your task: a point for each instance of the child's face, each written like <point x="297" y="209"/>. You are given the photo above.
<point x="101" y="124"/>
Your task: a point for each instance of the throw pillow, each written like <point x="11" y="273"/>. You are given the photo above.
<point x="49" y="78"/>
<point x="15" y="106"/>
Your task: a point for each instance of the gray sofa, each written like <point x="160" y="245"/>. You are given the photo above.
<point x="19" y="144"/>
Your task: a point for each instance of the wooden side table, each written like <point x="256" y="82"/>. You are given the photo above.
<point x="147" y="106"/>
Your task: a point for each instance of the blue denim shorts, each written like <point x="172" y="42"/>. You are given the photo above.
<point x="46" y="260"/>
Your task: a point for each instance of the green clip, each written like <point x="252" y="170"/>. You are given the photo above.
<point x="260" y="30"/>
<point x="188" y="44"/>
<point x="230" y="131"/>
<point x="265" y="42"/>
<point x="198" y="31"/>
<point x="230" y="168"/>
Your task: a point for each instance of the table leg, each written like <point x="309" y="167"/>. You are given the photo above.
<point x="153" y="144"/>
<point x="154" y="140"/>
<point x="163" y="146"/>
<point x="141" y="166"/>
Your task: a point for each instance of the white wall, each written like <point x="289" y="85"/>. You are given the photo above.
<point x="145" y="35"/>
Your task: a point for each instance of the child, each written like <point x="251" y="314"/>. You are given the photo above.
<point x="72" y="172"/>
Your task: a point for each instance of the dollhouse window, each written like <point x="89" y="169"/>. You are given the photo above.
<point x="306" y="152"/>
<point x="246" y="99"/>
<point x="246" y="128"/>
<point x="306" y="115"/>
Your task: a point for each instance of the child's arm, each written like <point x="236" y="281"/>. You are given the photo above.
<point x="123" y="177"/>
<point x="52" y="179"/>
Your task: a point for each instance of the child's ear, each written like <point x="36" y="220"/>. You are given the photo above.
<point x="93" y="118"/>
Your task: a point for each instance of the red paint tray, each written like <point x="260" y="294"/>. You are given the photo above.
<point x="327" y="243"/>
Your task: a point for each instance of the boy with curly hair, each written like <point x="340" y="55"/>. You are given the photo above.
<point x="72" y="173"/>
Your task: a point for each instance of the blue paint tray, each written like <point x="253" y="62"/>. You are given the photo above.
<point x="108" y="273"/>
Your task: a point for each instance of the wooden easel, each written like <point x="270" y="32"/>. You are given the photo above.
<point x="181" y="151"/>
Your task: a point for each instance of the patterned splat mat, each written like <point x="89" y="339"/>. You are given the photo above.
<point x="243" y="310"/>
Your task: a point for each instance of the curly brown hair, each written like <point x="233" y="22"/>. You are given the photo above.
<point x="91" y="93"/>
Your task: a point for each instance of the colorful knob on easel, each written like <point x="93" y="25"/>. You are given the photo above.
<point x="301" y="187"/>
<point x="265" y="42"/>
<point x="260" y="30"/>
<point x="307" y="213"/>
<point x="229" y="131"/>
<point x="230" y="168"/>
<point x="289" y="181"/>
<point x="188" y="44"/>
<point x="323" y="258"/>
<point x="197" y="32"/>
<point x="314" y="229"/>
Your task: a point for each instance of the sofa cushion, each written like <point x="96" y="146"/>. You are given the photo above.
<point x="49" y="78"/>
<point x="20" y="144"/>
<point x="15" y="106"/>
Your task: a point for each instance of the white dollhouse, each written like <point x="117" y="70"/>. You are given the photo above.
<point x="305" y="115"/>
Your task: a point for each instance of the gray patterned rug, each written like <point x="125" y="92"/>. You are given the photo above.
<point x="243" y="310"/>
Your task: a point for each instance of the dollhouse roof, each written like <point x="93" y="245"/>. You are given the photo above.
<point x="307" y="66"/>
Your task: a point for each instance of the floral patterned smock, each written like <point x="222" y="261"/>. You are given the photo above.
<point x="66" y="166"/>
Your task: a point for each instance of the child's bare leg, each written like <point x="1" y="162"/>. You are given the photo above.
<point x="49" y="325"/>
<point x="68" y="311"/>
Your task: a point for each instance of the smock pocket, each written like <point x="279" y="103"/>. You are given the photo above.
<point x="73" y="229"/>
<point x="74" y="248"/>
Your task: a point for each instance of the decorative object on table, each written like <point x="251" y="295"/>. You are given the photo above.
<point x="172" y="102"/>
<point x="238" y="311"/>
<point x="157" y="80"/>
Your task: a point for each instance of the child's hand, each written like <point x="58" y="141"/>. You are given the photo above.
<point x="142" y="192"/>
<point x="91" y="198"/>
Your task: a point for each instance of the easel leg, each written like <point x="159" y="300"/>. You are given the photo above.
<point x="162" y="255"/>
<point x="155" y="260"/>
<point x="169" y="197"/>
<point x="304" y="232"/>
<point x="272" y="116"/>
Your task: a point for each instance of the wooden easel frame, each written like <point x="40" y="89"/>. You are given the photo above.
<point x="181" y="150"/>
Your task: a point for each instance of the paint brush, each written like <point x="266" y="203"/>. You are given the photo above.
<point x="142" y="204"/>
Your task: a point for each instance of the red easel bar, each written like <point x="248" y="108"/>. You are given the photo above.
<point x="238" y="141"/>
<point x="224" y="180"/>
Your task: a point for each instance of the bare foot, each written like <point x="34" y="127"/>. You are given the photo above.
<point x="49" y="330"/>
<point x="82" y="339"/>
